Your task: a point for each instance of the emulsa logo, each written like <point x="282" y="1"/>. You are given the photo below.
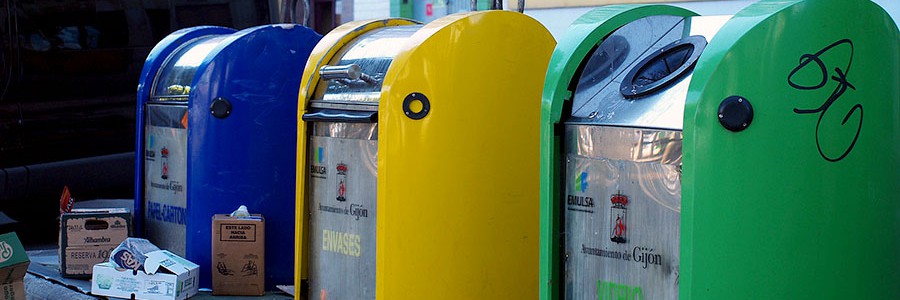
<point x="577" y="202"/>
<point x="316" y="169"/>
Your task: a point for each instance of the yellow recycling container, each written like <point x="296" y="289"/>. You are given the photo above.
<point x="418" y="159"/>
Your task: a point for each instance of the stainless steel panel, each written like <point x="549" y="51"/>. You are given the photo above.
<point x="622" y="212"/>
<point x="623" y="143"/>
<point x="373" y="52"/>
<point x="165" y="177"/>
<point x="597" y="98"/>
<point x="342" y="206"/>
<point x="359" y="131"/>
<point x="173" y="82"/>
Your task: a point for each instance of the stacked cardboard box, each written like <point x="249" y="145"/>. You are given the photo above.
<point x="13" y="265"/>
<point x="87" y="236"/>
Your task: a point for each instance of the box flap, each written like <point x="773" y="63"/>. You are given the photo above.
<point x="169" y="261"/>
<point x="226" y="217"/>
<point x="112" y="210"/>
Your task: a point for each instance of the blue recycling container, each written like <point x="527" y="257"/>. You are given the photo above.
<point x="216" y="129"/>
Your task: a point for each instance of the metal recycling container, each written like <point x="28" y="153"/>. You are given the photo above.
<point x="721" y="157"/>
<point x="417" y="159"/>
<point x="216" y="109"/>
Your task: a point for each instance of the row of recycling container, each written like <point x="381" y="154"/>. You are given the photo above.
<point x="653" y="154"/>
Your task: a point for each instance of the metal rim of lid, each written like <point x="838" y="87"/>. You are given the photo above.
<point x="630" y="91"/>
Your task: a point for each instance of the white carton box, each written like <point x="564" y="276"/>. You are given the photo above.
<point x="166" y="277"/>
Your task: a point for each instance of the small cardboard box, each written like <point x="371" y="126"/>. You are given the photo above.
<point x="238" y="257"/>
<point x="87" y="236"/>
<point x="13" y="265"/>
<point x="166" y="276"/>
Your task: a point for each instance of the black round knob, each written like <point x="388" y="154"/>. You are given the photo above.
<point x="220" y="108"/>
<point x="416" y="106"/>
<point x="735" y="113"/>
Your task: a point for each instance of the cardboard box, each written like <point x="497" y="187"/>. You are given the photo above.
<point x="13" y="291"/>
<point x="87" y="236"/>
<point x="238" y="257"/>
<point x="166" y="276"/>
<point x="13" y="265"/>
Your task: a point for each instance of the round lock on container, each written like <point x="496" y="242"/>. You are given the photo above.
<point x="416" y="106"/>
<point x="220" y="108"/>
<point x="735" y="113"/>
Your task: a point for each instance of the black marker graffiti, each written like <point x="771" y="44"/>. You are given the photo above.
<point x="842" y="84"/>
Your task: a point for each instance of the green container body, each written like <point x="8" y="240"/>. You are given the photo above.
<point x="802" y="204"/>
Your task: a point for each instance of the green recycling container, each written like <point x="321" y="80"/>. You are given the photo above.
<point x="753" y="156"/>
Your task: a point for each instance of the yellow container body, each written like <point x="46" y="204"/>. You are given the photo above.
<point x="320" y="56"/>
<point x="457" y="190"/>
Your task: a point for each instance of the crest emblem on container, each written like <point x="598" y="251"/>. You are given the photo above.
<point x="164" y="154"/>
<point x="617" y="217"/>
<point x="342" y="182"/>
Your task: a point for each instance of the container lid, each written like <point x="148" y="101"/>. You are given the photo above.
<point x="373" y="52"/>
<point x="639" y="75"/>
<point x="173" y="82"/>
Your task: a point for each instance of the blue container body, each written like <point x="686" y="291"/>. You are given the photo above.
<point x="246" y="158"/>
